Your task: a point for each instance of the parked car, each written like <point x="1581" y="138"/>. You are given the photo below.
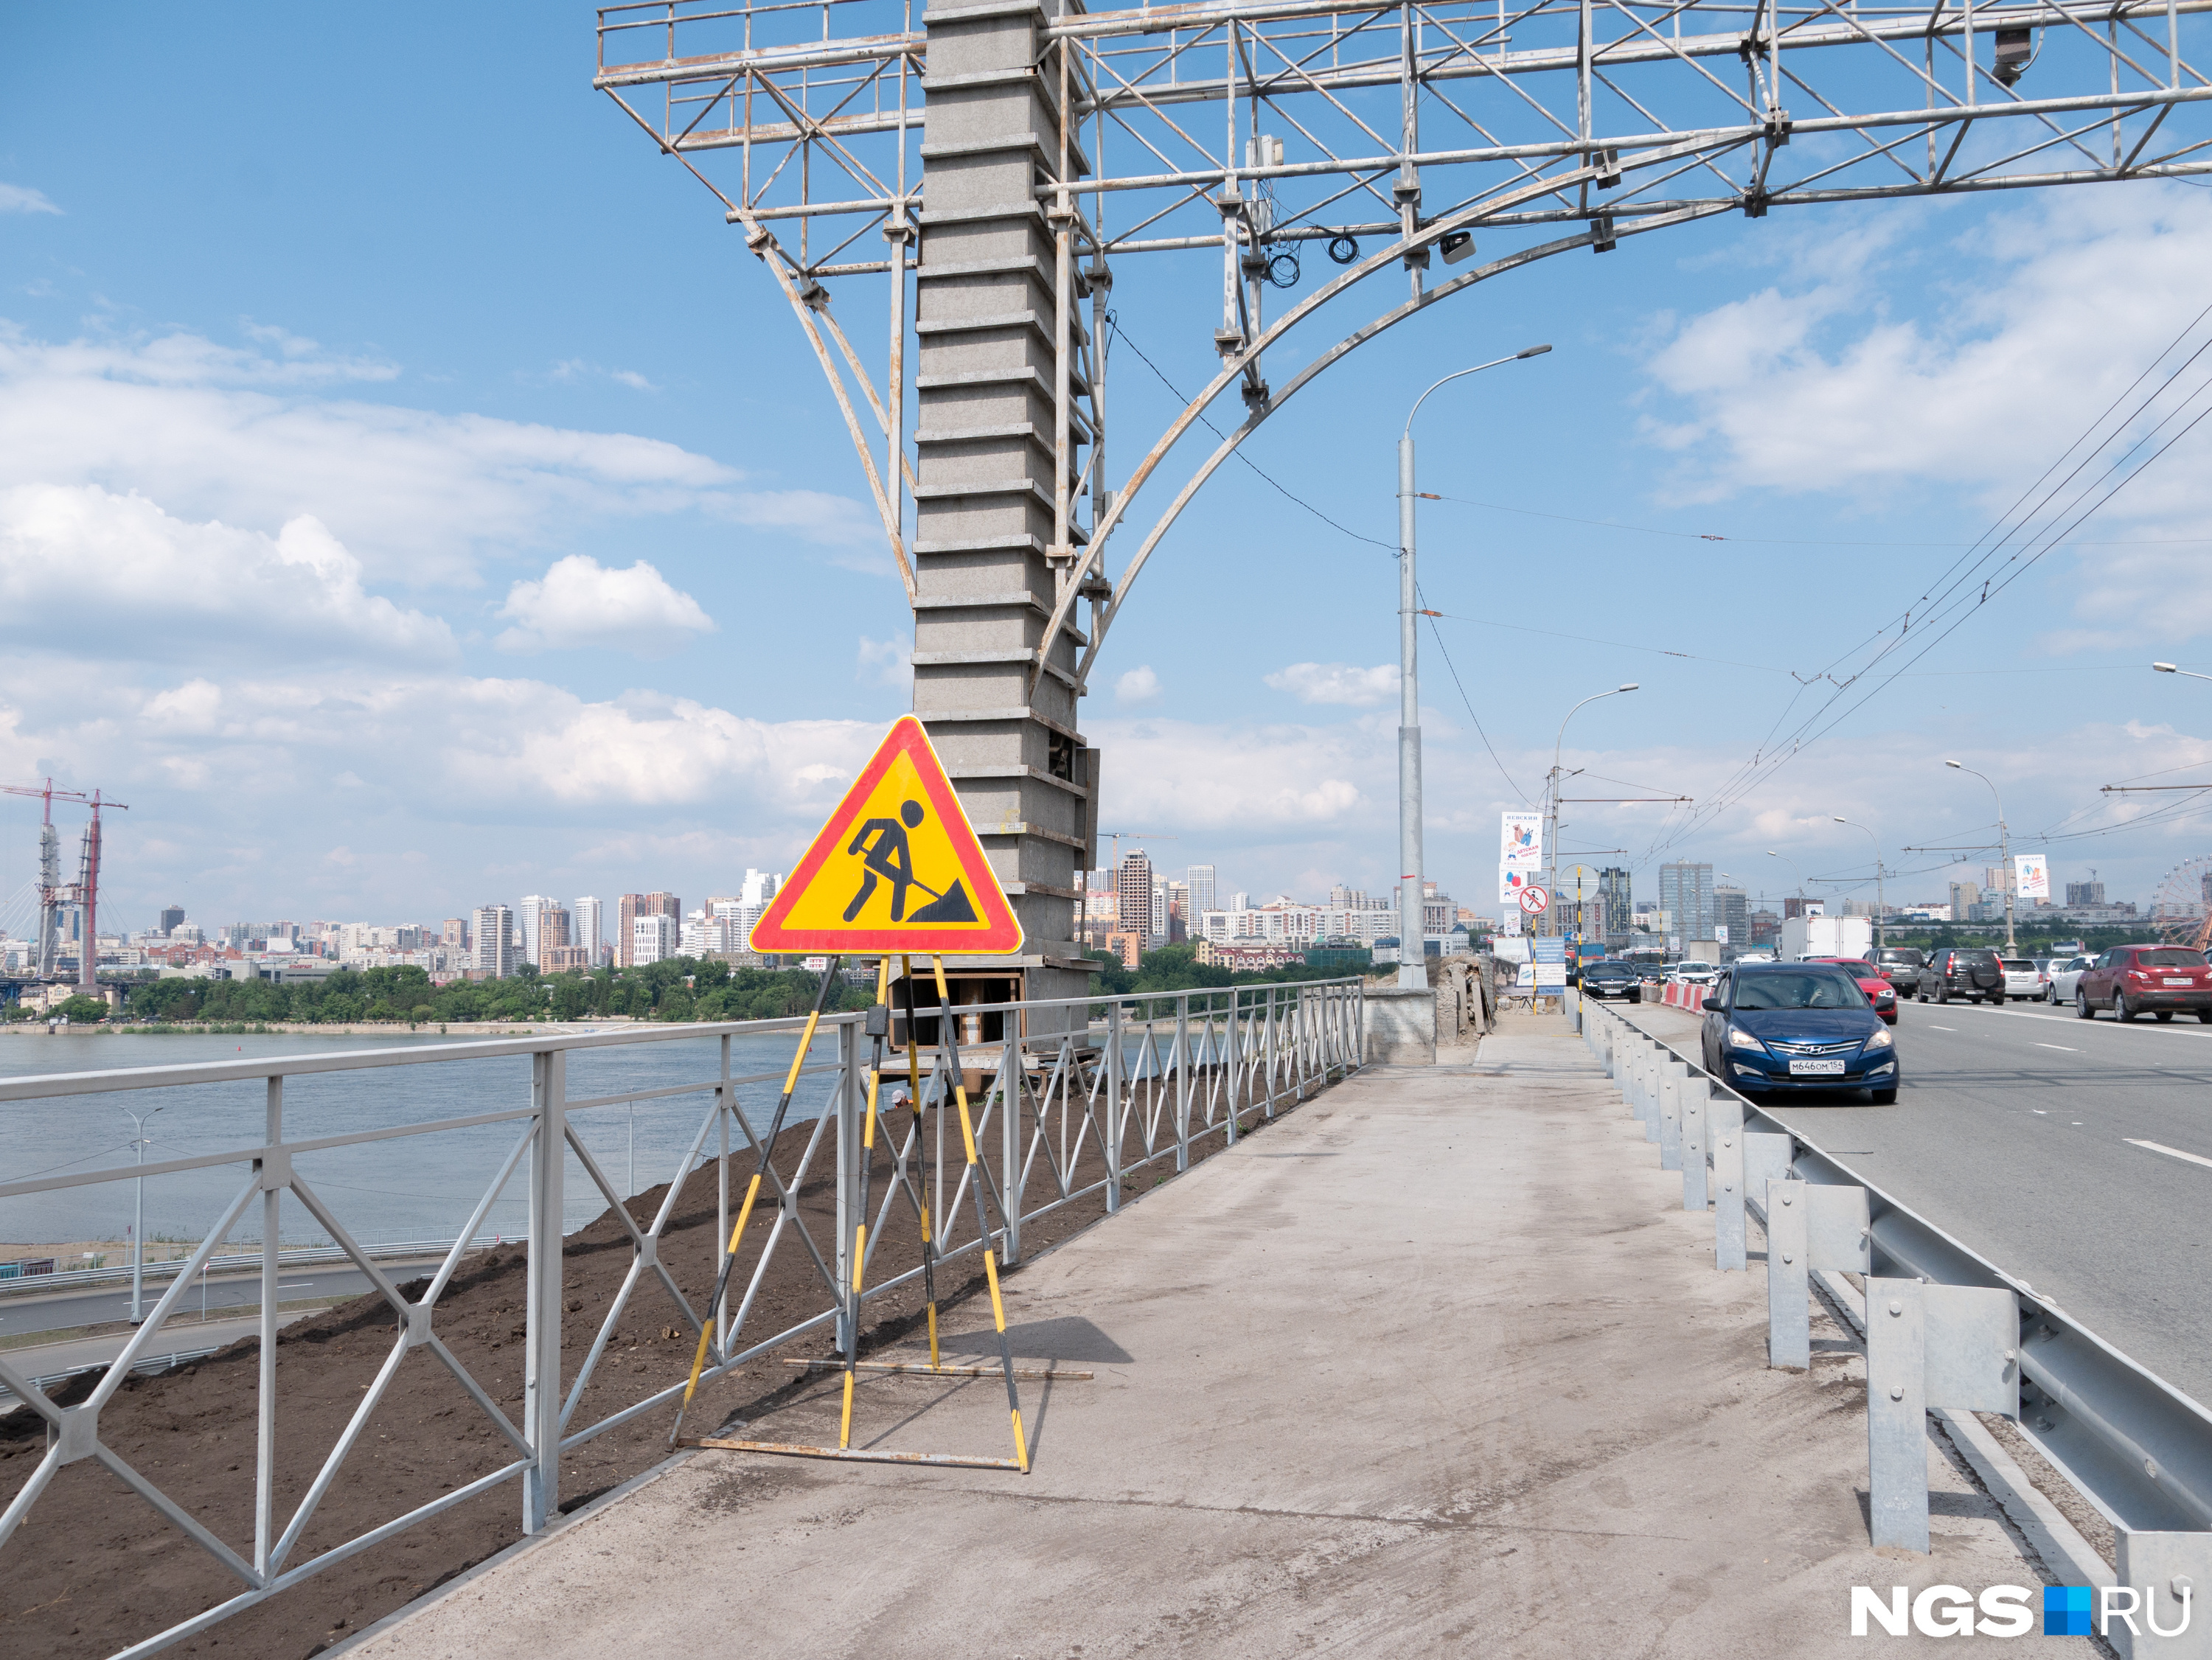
<point x="1609" y="977"/>
<point x="1794" y="1026"/>
<point x="1900" y="966"/>
<point x="1879" y="996"/>
<point x="2065" y="973"/>
<point x="2146" y="979"/>
<point x="2023" y="977"/>
<point x="1692" y="972"/>
<point x="1963" y="972"/>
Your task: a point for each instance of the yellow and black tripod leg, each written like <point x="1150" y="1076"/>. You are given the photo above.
<point x="752" y="1193"/>
<point x="951" y="1045"/>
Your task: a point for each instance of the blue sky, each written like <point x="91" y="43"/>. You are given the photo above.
<point x="411" y="495"/>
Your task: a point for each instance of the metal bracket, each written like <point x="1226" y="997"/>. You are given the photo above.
<point x="419" y="1324"/>
<point x="1602" y="240"/>
<point x="80" y="1433"/>
<point x="274" y="1167"/>
<point x="1928" y="1346"/>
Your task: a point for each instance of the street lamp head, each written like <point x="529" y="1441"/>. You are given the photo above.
<point x="1840" y="818"/>
<point x="1532" y="351"/>
<point x="2168" y="667"/>
<point x="1629" y="686"/>
<point x="1953" y="763"/>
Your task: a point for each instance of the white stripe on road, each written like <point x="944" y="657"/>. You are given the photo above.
<point x="1934" y="1028"/>
<point x="2069" y="1049"/>
<point x="2170" y="1151"/>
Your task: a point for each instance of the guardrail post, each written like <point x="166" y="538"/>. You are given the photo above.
<point x="1788" y="1328"/>
<point x="1182" y="1083"/>
<point x="541" y="1385"/>
<point x="1012" y="1078"/>
<point x="1275" y="1050"/>
<point x="1724" y="1130"/>
<point x="264" y="1443"/>
<point x="1230" y="1051"/>
<point x="1672" y="1076"/>
<point x="1693" y="1091"/>
<point x="726" y="1098"/>
<point x="1897" y="1416"/>
<point x="2172" y="1571"/>
<point x="1115" y="1118"/>
<point x="1647" y="1088"/>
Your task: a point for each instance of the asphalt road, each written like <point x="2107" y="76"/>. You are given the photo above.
<point x="2019" y="1131"/>
<point x="90" y="1307"/>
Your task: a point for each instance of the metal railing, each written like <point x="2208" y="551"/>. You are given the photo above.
<point x="1079" y="1095"/>
<point x="82" y="1279"/>
<point x="2137" y="1448"/>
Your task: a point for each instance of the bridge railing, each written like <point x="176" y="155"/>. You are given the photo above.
<point x="1074" y="1100"/>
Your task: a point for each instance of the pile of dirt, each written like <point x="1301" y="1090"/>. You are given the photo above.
<point x="95" y="1568"/>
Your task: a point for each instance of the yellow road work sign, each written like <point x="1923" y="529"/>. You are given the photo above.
<point x="897" y="868"/>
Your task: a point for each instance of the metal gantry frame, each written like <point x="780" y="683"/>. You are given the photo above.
<point x="1262" y="127"/>
<point x="1113" y="1087"/>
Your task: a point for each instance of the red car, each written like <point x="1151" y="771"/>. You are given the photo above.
<point x="1879" y="991"/>
<point x="2146" y="979"/>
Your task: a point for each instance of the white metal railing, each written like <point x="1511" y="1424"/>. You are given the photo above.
<point x="1080" y="1095"/>
<point x="82" y="1279"/>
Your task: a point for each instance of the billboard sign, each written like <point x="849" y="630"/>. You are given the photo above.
<point x="1520" y="841"/>
<point x="2032" y="877"/>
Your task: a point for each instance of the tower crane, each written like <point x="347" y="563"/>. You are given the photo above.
<point x="54" y="893"/>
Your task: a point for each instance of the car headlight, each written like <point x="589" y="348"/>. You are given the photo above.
<point x="1879" y="1041"/>
<point x="1740" y="1038"/>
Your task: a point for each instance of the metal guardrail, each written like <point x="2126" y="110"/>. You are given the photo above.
<point x="1136" y="1081"/>
<point x="2137" y="1448"/>
<point x="34" y="1284"/>
<point x="45" y="1381"/>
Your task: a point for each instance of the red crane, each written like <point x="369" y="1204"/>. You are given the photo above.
<point x="54" y="893"/>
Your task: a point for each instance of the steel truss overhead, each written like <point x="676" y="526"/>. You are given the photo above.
<point x="1262" y="129"/>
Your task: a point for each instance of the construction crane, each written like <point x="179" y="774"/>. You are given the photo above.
<point x="53" y="894"/>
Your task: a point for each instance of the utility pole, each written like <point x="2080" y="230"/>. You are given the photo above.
<point x="1550" y="924"/>
<point x="1880" y="904"/>
<point x="138" y="1222"/>
<point x="2004" y="851"/>
<point x="1413" y="936"/>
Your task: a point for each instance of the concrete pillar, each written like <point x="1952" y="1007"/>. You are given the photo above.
<point x="987" y="571"/>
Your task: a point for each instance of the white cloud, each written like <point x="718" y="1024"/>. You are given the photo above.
<point x="82" y="566"/>
<point x="634" y="380"/>
<point x="1248" y="781"/>
<point x="580" y="603"/>
<point x="21" y="198"/>
<point x="1139" y="686"/>
<point x="887" y="663"/>
<point x="251" y="436"/>
<point x="1338" y="682"/>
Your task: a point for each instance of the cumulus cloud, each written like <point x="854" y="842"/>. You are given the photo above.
<point x="254" y="435"/>
<point x="1249" y="782"/>
<point x="1338" y="682"/>
<point x="580" y="603"/>
<point x="21" y="198"/>
<point x="153" y="586"/>
<point x="1139" y="686"/>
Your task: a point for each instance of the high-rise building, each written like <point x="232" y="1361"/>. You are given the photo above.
<point x="585" y="927"/>
<point x="1133" y="891"/>
<point x="1732" y="911"/>
<point x="1620" y="905"/>
<point x="1198" y="882"/>
<point x="634" y="906"/>
<point x="530" y="924"/>
<point x="172" y="917"/>
<point x="654" y="935"/>
<point x="1964" y="896"/>
<point x="454" y="935"/>
<point x="494" y="932"/>
<point x="1685" y="893"/>
<point x="2077" y="893"/>
<point x="1996" y="879"/>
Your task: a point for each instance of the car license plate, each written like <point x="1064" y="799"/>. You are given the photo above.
<point x="2177" y="982"/>
<point x="1816" y="1069"/>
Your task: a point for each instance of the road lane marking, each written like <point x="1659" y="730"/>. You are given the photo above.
<point x="2170" y="1151"/>
<point x="1934" y="1028"/>
<point x="2069" y="1048"/>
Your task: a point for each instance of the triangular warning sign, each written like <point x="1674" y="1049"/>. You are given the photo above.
<point x="897" y="868"/>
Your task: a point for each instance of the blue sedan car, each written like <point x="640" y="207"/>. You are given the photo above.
<point x="1796" y="1026"/>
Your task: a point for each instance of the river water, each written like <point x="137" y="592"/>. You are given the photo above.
<point x="416" y="1187"/>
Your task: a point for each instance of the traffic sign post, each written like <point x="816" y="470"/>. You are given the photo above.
<point x="1534" y="899"/>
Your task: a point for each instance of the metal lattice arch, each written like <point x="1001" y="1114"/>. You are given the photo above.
<point x="974" y="176"/>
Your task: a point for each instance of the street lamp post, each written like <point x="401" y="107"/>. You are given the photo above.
<point x="2173" y="668"/>
<point x="1881" y="905"/>
<point x="2004" y="848"/>
<point x="1413" y="951"/>
<point x="1552" y="800"/>
<point x="139" y="1220"/>
<point x="1795" y="871"/>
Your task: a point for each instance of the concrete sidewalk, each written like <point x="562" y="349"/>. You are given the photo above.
<point x="1436" y="1364"/>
